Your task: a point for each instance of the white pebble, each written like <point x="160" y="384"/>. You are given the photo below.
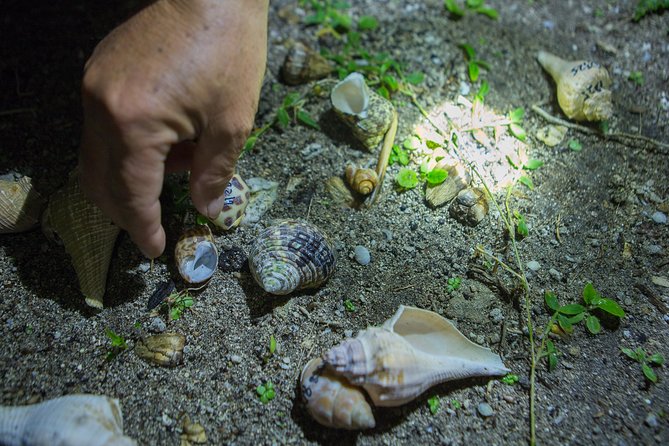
<point x="659" y="218"/>
<point x="485" y="409"/>
<point x="362" y="255"/>
<point x="533" y="265"/>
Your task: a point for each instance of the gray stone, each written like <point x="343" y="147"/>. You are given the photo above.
<point x="651" y="420"/>
<point x="485" y="410"/>
<point x="533" y="265"/>
<point x="659" y="218"/>
<point x="362" y="255"/>
<point x="157" y="325"/>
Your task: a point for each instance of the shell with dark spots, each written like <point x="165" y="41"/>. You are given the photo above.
<point x="237" y="195"/>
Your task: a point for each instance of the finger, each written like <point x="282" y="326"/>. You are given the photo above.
<point x="180" y="157"/>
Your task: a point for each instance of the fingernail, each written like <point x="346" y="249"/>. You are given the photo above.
<point x="215" y="207"/>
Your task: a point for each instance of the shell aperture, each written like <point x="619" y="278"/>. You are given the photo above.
<point x="196" y="255"/>
<point x="351" y="95"/>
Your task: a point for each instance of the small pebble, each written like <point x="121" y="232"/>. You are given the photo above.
<point x="496" y="315"/>
<point x="157" y="325"/>
<point x="362" y="255"/>
<point x="651" y="420"/>
<point x="659" y="218"/>
<point x="144" y="266"/>
<point x="485" y="410"/>
<point x="654" y="249"/>
<point x="533" y="265"/>
<point x="236" y="359"/>
<point x="464" y="88"/>
<point x="555" y="274"/>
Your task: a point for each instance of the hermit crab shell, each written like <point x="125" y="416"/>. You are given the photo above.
<point x="291" y="255"/>
<point x="196" y="255"/>
<point x="302" y="65"/>
<point x="164" y="349"/>
<point x="367" y="113"/>
<point x="582" y="87"/>
<point x="236" y="198"/>
<point x="91" y="420"/>
<point x="361" y="180"/>
<point x="20" y="206"/>
<point x="413" y="351"/>
<point x="332" y="401"/>
<point x="87" y="234"/>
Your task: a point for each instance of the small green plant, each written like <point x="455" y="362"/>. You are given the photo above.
<point x="266" y="392"/>
<point x="636" y="77"/>
<point x="406" y="179"/>
<point x="516" y="118"/>
<point x="510" y="379"/>
<point x="118" y="344"/>
<point x="474" y="65"/>
<point x="644" y="7"/>
<point x="272" y="344"/>
<point x="575" y="145"/>
<point x="453" y="283"/>
<point x="484" y="89"/>
<point x="433" y="404"/>
<point x="399" y="156"/>
<point x="436" y="176"/>
<point x="349" y="305"/>
<point x="478" y="6"/>
<point x="526" y="181"/>
<point x="646" y="361"/>
<point x="455" y="404"/>
<point x="533" y="164"/>
<point x="521" y="225"/>
<point x="177" y="302"/>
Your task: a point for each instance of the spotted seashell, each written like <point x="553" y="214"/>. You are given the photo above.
<point x="290" y="256"/>
<point x="87" y="234"/>
<point x="302" y="64"/>
<point x="237" y="196"/>
<point x="91" y="420"/>
<point x="367" y="113"/>
<point x="164" y="349"/>
<point x="20" y="206"/>
<point x="196" y="255"/>
<point x="361" y="180"/>
<point x="332" y="401"/>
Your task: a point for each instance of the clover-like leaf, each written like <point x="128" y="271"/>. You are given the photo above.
<point x="593" y="325"/>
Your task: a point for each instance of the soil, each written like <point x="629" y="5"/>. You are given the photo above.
<point x="594" y="215"/>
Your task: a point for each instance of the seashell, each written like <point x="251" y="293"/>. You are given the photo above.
<point x="363" y="181"/>
<point x="20" y="205"/>
<point x="192" y="433"/>
<point x="164" y="349"/>
<point x="237" y="196"/>
<point x="87" y="234"/>
<point x="458" y="178"/>
<point x="291" y="255"/>
<point x="582" y="87"/>
<point x="333" y="401"/>
<point x="413" y="351"/>
<point x="367" y="113"/>
<point x="338" y="192"/>
<point x="470" y="206"/>
<point x="91" y="420"/>
<point x="302" y="65"/>
<point x="196" y="255"/>
<point x="551" y="135"/>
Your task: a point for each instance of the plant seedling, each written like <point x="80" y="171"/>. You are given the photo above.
<point x="399" y="155"/>
<point x="477" y="6"/>
<point x="575" y="145"/>
<point x="406" y="179"/>
<point x="510" y="379"/>
<point x="521" y="225"/>
<point x="646" y="361"/>
<point x="474" y="64"/>
<point x="266" y="392"/>
<point x="433" y="404"/>
<point x="177" y="302"/>
<point x="636" y="77"/>
<point x="516" y="118"/>
<point x="455" y="404"/>
<point x="349" y="305"/>
<point x="436" y="176"/>
<point x="453" y="283"/>
<point x="118" y="344"/>
<point x="644" y="7"/>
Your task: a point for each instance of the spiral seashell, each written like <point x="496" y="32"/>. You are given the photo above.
<point x="20" y="206"/>
<point x="470" y="206"/>
<point x="303" y="65"/>
<point x="413" y="351"/>
<point x="363" y="181"/>
<point x="164" y="349"/>
<point x="87" y="234"/>
<point x="582" y="87"/>
<point x="367" y="113"/>
<point x="195" y="254"/>
<point x="92" y="420"/>
<point x="237" y="196"/>
<point x="333" y="401"/>
<point x="291" y="255"/>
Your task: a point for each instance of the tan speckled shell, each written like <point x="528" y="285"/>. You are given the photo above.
<point x="164" y="349"/>
<point x="20" y="206"/>
<point x="291" y="255"/>
<point x="302" y="65"/>
<point x="196" y="255"/>
<point x="87" y="234"/>
<point x="237" y="196"/>
<point x="363" y="181"/>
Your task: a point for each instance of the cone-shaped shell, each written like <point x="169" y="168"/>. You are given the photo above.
<point x="20" y="206"/>
<point x="87" y="234"/>
<point x="291" y="255"/>
<point x="413" y="351"/>
<point x="302" y="65"/>
<point x="332" y="400"/>
<point x="367" y="113"/>
<point x="90" y="420"/>
<point x="195" y="254"/>
<point x="582" y="87"/>
<point x="236" y="198"/>
<point x="363" y="181"/>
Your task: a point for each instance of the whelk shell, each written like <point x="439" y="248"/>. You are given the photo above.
<point x="291" y="255"/>
<point x="237" y="196"/>
<point x="20" y="206"/>
<point x="302" y="65"/>
<point x="582" y="87"/>
<point x="164" y="349"/>
<point x="91" y="420"/>
<point x="196" y="255"/>
<point x="361" y="180"/>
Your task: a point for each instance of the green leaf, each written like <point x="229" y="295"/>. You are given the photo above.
<point x="390" y="82"/>
<point x="649" y="373"/>
<point x="433" y="403"/>
<point x="282" y="117"/>
<point x="290" y="100"/>
<point x="411" y="143"/>
<point x="315" y="19"/>
<point x="305" y="118"/>
<point x="577" y="318"/>
<point x="521" y="224"/>
<point x="489" y="12"/>
<point x="656" y="359"/>
<point x="610" y="307"/>
<point x="551" y="300"/>
<point x="571" y="309"/>
<point x="432" y="144"/>
<point x="187" y="302"/>
<point x="575" y="145"/>
<point x="527" y="181"/>
<point x="473" y="4"/>
<point x="592" y="323"/>
<point x="250" y="143"/>
<point x="415" y="78"/>
<point x="533" y="164"/>
<point x="453" y="7"/>
<point x="590" y="293"/>
<point x="367" y="22"/>
<point x="272" y="344"/>
<point x="565" y="324"/>
<point x="406" y="178"/>
<point x="510" y="379"/>
<point x="383" y="91"/>
<point x="175" y="313"/>
<point x="437" y="176"/>
<point x="474" y="70"/>
<point x="552" y="355"/>
<point x="470" y="54"/>
<point x="518" y="131"/>
<point x="483" y="90"/>
<point x="260" y="390"/>
<point x="201" y="219"/>
<point x="516" y="116"/>
<point x="631" y="353"/>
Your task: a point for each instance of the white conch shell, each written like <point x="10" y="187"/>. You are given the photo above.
<point x="333" y="401"/>
<point x="73" y="420"/>
<point x="413" y="351"/>
<point x="20" y="205"/>
<point x="196" y="255"/>
<point x="582" y="87"/>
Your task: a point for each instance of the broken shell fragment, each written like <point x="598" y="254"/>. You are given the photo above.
<point x="582" y="87"/>
<point x="20" y="205"/>
<point x="196" y="255"/>
<point x="302" y="65"/>
<point x="87" y="235"/>
<point x="92" y="420"/>
<point x="470" y="206"/>
<point x="458" y="178"/>
<point x="164" y="349"/>
<point x="236" y="198"/>
<point x="364" y="111"/>
<point x="363" y="181"/>
<point x="192" y="433"/>
<point x="291" y="255"/>
<point x="332" y="401"/>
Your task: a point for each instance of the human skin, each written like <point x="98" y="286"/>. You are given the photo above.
<point x="174" y="88"/>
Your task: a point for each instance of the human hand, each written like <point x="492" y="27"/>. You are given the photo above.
<point x="175" y="87"/>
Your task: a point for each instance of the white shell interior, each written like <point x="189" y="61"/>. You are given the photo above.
<point x="351" y="95"/>
<point x="202" y="265"/>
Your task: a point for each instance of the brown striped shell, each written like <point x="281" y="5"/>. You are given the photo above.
<point x="302" y="64"/>
<point x="164" y="349"/>
<point x="361" y="180"/>
<point x="195" y="254"/>
<point x="20" y="206"/>
<point x="291" y="255"/>
<point x="237" y="196"/>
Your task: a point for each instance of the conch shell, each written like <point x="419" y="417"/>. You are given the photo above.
<point x="367" y="113"/>
<point x="332" y="400"/>
<point x="20" y="206"/>
<point x="291" y="255"/>
<point x="237" y="196"/>
<point x="87" y="234"/>
<point x="196" y="255"/>
<point x="582" y="87"/>
<point x="302" y="65"/>
<point x="363" y="181"/>
<point x="91" y="420"/>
